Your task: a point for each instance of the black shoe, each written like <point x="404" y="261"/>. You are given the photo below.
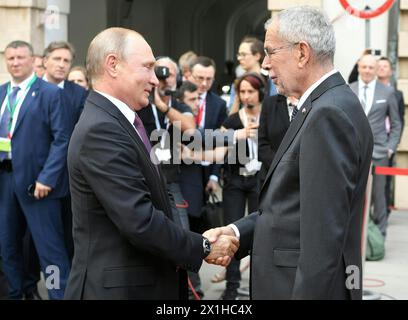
<point x="33" y="295"/>
<point x="229" y="294"/>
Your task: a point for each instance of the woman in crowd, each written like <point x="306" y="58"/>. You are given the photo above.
<point x="250" y="56"/>
<point x="241" y="171"/>
<point x="78" y="75"/>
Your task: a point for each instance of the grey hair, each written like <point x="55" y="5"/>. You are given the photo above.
<point x="308" y="24"/>
<point x="110" y="41"/>
<point x="168" y="59"/>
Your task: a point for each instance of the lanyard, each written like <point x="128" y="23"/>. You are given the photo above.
<point x="12" y="108"/>
<point x="252" y="143"/>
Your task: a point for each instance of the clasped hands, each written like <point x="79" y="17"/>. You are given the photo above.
<point x="224" y="244"/>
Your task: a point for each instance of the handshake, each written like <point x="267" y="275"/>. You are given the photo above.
<point x="224" y="244"/>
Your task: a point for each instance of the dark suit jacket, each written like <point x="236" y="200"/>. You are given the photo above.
<point x="401" y="107"/>
<point x="40" y="139"/>
<point x="74" y="96"/>
<point x="126" y="244"/>
<point x="194" y="177"/>
<point x="273" y="124"/>
<point x="308" y="230"/>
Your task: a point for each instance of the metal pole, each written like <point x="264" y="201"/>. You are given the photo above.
<point x="367" y="30"/>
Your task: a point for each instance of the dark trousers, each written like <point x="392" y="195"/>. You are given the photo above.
<point x="239" y="191"/>
<point x="32" y="267"/>
<point x="389" y="186"/>
<point x="66" y="214"/>
<point x="379" y="214"/>
<point x="3" y="284"/>
<point x="43" y="219"/>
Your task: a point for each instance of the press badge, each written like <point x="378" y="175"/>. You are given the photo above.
<point x="253" y="166"/>
<point x="5" y="145"/>
<point x="163" y="155"/>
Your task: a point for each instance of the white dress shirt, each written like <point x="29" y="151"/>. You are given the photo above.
<point x="21" y="94"/>
<point x="369" y="93"/>
<point x="123" y="108"/>
<point x="61" y="84"/>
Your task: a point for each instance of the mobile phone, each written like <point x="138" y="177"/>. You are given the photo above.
<point x="374" y="52"/>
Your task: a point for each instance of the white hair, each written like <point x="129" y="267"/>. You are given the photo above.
<point x="308" y="24"/>
<point x="170" y="60"/>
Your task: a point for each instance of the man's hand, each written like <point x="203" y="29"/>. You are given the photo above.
<point x="218" y="234"/>
<point x="213" y="234"/>
<point x="390" y="153"/>
<point x="158" y="101"/>
<point x="223" y="250"/>
<point x="212" y="186"/>
<point x="41" y="191"/>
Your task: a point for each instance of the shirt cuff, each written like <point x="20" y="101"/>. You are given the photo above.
<point x="236" y="231"/>
<point x="214" y="178"/>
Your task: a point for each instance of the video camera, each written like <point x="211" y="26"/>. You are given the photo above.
<point x="162" y="73"/>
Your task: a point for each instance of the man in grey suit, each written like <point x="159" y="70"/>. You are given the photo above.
<point x="378" y="102"/>
<point x="305" y="241"/>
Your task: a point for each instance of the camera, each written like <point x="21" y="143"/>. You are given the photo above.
<point x="162" y="73"/>
<point x="374" y="52"/>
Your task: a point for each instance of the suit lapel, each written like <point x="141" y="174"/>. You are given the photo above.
<point x="294" y="127"/>
<point x="105" y="104"/>
<point x="30" y="98"/>
<point x="208" y="112"/>
<point x="376" y="97"/>
<point x="3" y="94"/>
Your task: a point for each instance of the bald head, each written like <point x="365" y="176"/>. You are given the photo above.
<point x="121" y="64"/>
<point x="367" y="68"/>
<point x="112" y="41"/>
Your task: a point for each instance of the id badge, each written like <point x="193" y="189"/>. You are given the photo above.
<point x="5" y="145"/>
<point x="253" y="166"/>
<point x="163" y="155"/>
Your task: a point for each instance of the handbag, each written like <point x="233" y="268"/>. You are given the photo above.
<point x="212" y="212"/>
<point x="375" y="249"/>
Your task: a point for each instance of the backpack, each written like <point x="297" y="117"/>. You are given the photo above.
<point x="375" y="249"/>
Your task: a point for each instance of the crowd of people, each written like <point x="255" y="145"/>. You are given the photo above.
<point x="94" y="181"/>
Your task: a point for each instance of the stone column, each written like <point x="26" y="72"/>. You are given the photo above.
<point x="21" y="20"/>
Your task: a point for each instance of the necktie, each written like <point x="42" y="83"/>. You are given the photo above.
<point x="142" y="132"/>
<point x="294" y="112"/>
<point x="5" y="119"/>
<point x="199" y="116"/>
<point x="364" y="99"/>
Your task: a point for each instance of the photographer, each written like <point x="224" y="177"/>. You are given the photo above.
<point x="161" y="119"/>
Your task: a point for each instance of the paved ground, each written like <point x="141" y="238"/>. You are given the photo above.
<point x="388" y="278"/>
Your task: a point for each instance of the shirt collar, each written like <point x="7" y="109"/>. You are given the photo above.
<point x="61" y="84"/>
<point x="123" y="107"/>
<point x="370" y="85"/>
<point x="313" y="87"/>
<point x="203" y="96"/>
<point x="23" y="85"/>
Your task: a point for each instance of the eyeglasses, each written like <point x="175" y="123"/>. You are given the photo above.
<point x="202" y="79"/>
<point x="243" y="54"/>
<point x="269" y="53"/>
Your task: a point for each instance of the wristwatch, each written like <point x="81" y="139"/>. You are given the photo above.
<point x="206" y="247"/>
